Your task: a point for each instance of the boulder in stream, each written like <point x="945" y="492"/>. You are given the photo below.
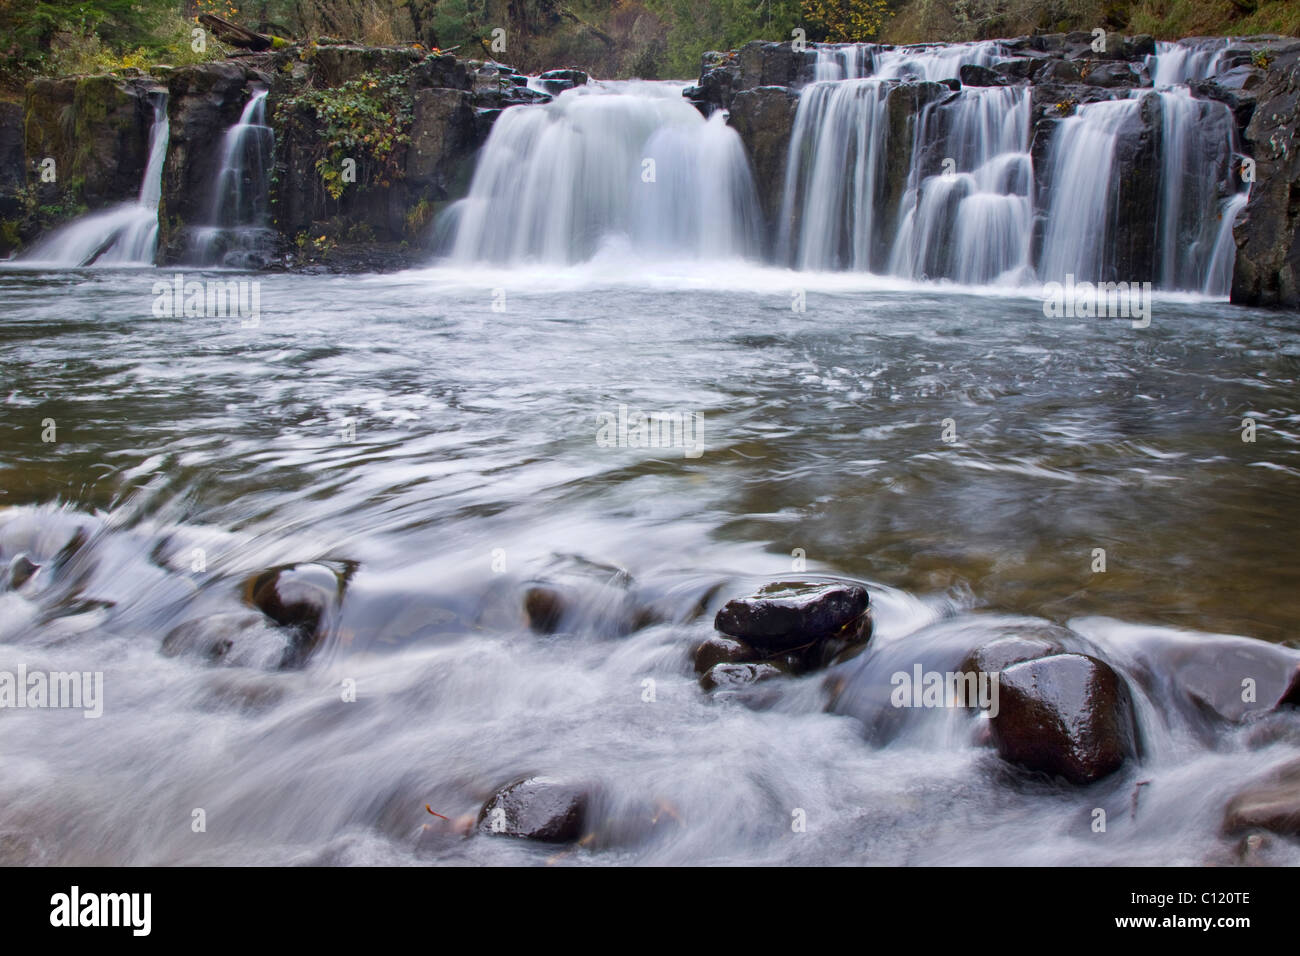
<point x="1270" y="803"/>
<point x="789" y="615"/>
<point x="300" y="597"/>
<point x="1068" y="715"/>
<point x="537" y="808"/>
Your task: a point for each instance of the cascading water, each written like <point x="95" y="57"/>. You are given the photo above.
<point x="610" y="163"/>
<point x="1081" y="207"/>
<point x="1174" y="64"/>
<point x="1198" y="145"/>
<point x="970" y="223"/>
<point x="237" y="231"/>
<point x="126" y="235"/>
<point x="967" y="211"/>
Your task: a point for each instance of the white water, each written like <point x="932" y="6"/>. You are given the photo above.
<point x="125" y="235"/>
<point x="1082" y="204"/>
<point x="967" y="214"/>
<point x="236" y="227"/>
<point x="1177" y="63"/>
<point x="1198" y="142"/>
<point x="607" y="164"/>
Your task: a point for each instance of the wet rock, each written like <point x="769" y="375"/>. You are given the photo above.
<point x="1068" y="715"/>
<point x="238" y="637"/>
<point x="998" y="655"/>
<point x="545" y="608"/>
<point x="773" y="64"/>
<point x="1060" y="71"/>
<point x="722" y="650"/>
<point x="1271" y="803"/>
<point x="972" y="74"/>
<point x="787" y="615"/>
<point x="739" y="676"/>
<point x="301" y="598"/>
<point x="764" y="118"/>
<point x="537" y="808"/>
<point x="444" y="136"/>
<point x="1111" y="75"/>
<point x="1021" y="68"/>
<point x="21" y="570"/>
<point x="1209" y="680"/>
<point x="571" y="76"/>
<point x="1267" y="232"/>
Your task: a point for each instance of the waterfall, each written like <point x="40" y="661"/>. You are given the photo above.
<point x="966" y="219"/>
<point x="610" y="163"/>
<point x="1174" y="64"/>
<point x="236" y="231"/>
<point x="967" y="210"/>
<point x="1198" y="139"/>
<point x="970" y="223"/>
<point x="125" y="235"/>
<point x="1081" y="209"/>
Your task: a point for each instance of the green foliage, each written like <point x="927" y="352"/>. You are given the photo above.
<point x="700" y="25"/>
<point x="365" y="120"/>
<point x="844" y="21"/>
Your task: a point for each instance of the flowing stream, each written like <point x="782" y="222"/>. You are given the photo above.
<point x="474" y="471"/>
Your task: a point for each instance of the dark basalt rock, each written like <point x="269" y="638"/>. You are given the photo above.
<point x="738" y="676"/>
<point x="537" y="808"/>
<point x="764" y="118"/>
<point x="1068" y="715"/>
<point x="997" y="656"/>
<point x="787" y="615"/>
<point x="1267" y="232"/>
<point x="571" y="76"/>
<point x="1207" y="680"/>
<point x="722" y="650"/>
<point x="545" y="608"/>
<point x="1271" y="803"/>
<point x="973" y="75"/>
<point x="302" y="598"/>
<point x="20" y="571"/>
<point x="1112" y="75"/>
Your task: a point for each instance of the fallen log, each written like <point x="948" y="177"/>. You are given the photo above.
<point x="235" y="35"/>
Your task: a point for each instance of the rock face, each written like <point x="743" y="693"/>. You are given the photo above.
<point x="203" y="102"/>
<point x="537" y="808"/>
<point x="1068" y="715"/>
<point x="1268" y="232"/>
<point x="764" y="118"/>
<point x="1272" y="803"/>
<point x="787" y="615"/>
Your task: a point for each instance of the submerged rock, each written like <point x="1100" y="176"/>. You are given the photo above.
<point x="216" y="637"/>
<point x="787" y="615"/>
<point x="1271" y="803"/>
<point x="1068" y="715"/>
<point x="545" y="608"/>
<point x="20" y="571"/>
<point x="302" y="598"/>
<point x="537" y="808"/>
